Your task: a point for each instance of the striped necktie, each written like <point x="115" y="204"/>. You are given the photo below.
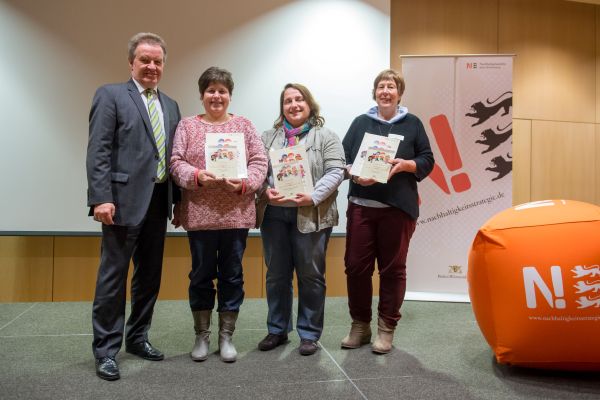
<point x="159" y="134"/>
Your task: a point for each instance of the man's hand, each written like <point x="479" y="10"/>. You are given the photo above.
<point x="104" y="213"/>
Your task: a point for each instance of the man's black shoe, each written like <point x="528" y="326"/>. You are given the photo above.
<point x="107" y="369"/>
<point x="307" y="347"/>
<point x="145" y="351"/>
<point x="271" y="341"/>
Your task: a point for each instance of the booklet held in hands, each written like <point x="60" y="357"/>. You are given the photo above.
<point x="291" y="172"/>
<point x="375" y="151"/>
<point x="226" y="155"/>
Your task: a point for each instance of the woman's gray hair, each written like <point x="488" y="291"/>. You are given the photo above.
<point x="389" y="75"/>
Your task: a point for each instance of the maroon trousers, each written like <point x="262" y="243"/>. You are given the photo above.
<point x="381" y="234"/>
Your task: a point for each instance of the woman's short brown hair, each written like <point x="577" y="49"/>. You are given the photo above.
<point x="313" y="118"/>
<point x="389" y="75"/>
<point x="215" y="75"/>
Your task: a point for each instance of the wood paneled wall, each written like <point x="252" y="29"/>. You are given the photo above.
<point x="26" y="268"/>
<point x="64" y="268"/>
<point x="556" y="134"/>
<point x="556" y="81"/>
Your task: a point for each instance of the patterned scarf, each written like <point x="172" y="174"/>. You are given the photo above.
<point x="292" y="134"/>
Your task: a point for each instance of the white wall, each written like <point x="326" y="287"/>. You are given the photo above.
<point x="55" y="54"/>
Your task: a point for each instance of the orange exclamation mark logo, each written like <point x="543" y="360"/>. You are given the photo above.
<point x="447" y="145"/>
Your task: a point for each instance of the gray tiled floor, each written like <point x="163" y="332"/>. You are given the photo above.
<point x="439" y="354"/>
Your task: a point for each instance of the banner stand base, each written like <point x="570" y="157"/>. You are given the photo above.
<point x="434" y="296"/>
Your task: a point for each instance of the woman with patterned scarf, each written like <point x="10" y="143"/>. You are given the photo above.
<point x="295" y="230"/>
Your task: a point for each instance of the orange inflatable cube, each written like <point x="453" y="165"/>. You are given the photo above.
<point x="534" y="283"/>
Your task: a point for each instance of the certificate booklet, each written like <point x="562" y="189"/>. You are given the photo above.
<point x="373" y="155"/>
<point x="291" y="172"/>
<point x="226" y="155"/>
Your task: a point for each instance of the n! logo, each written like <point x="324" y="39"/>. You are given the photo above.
<point x="532" y="279"/>
<point x="447" y="145"/>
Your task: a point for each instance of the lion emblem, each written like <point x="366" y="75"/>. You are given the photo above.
<point x="484" y="110"/>
<point x="501" y="166"/>
<point x="493" y="139"/>
<point x="585" y="302"/>
<point x="581" y="271"/>
<point x="583" y="287"/>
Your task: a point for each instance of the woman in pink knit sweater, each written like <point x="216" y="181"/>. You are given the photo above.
<point x="216" y="212"/>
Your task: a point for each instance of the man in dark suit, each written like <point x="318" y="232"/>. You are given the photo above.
<point x="131" y="130"/>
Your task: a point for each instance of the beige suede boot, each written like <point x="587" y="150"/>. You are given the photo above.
<point x="227" y="321"/>
<point x="384" y="339"/>
<point x="360" y="333"/>
<point x="201" y="325"/>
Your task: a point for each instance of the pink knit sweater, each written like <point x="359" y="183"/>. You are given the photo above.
<point x="214" y="207"/>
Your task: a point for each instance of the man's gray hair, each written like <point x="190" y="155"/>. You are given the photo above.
<point x="145" y="37"/>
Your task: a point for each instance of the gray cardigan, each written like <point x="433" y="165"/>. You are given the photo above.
<point x="324" y="151"/>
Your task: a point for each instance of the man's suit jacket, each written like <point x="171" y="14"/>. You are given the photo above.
<point x="122" y="157"/>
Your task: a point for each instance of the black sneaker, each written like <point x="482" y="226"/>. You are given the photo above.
<point x="271" y="341"/>
<point x="308" y="347"/>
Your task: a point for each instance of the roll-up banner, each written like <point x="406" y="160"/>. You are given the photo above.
<point x="465" y="104"/>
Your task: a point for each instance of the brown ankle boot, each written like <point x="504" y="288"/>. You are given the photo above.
<point x="360" y="333"/>
<point x="384" y="339"/>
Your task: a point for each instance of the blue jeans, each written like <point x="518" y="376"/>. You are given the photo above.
<point x="286" y="249"/>
<point x="217" y="254"/>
